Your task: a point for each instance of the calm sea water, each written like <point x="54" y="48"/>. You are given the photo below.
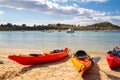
<point x="84" y="40"/>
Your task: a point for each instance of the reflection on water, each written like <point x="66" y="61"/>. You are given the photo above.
<point x="86" y="40"/>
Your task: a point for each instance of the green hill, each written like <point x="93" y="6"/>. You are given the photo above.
<point x="104" y="26"/>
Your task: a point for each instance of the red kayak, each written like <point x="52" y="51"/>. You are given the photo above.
<point x="113" y="61"/>
<point x="39" y="58"/>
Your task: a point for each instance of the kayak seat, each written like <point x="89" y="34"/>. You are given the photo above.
<point x="112" y="53"/>
<point x="81" y="54"/>
<point x="57" y="51"/>
<point x="34" y="54"/>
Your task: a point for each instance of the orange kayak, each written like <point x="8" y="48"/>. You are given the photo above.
<point x="39" y="58"/>
<point x="81" y="64"/>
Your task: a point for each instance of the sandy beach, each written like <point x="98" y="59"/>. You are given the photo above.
<point x="57" y="70"/>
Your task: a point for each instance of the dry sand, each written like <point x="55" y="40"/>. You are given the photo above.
<point x="58" y="70"/>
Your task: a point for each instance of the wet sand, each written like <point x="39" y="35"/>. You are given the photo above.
<point x="57" y="70"/>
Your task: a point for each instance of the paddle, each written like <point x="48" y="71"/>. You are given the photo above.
<point x="95" y="60"/>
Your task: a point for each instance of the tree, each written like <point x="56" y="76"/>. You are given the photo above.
<point x="23" y="25"/>
<point x="9" y="25"/>
<point x="58" y="25"/>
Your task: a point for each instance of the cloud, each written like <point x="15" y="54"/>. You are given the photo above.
<point x="87" y="21"/>
<point x="101" y="1"/>
<point x="78" y="15"/>
<point x="93" y="1"/>
<point x="115" y="20"/>
<point x="63" y="1"/>
<point x="49" y="7"/>
<point x="1" y="12"/>
<point x="40" y="5"/>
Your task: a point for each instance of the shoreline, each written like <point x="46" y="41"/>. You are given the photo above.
<point x="34" y="50"/>
<point x="59" y="70"/>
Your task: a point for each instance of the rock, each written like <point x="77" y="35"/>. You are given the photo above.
<point x="1" y="62"/>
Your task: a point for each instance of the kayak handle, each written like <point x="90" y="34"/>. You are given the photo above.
<point x="80" y="69"/>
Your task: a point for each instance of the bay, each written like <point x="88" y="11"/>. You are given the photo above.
<point x="79" y="40"/>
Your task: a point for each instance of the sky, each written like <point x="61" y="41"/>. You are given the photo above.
<point x="76" y="12"/>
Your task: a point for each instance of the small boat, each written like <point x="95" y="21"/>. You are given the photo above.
<point x="113" y="60"/>
<point x="70" y="31"/>
<point x="82" y="63"/>
<point x="39" y="58"/>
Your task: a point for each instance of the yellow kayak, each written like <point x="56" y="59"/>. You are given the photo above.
<point x="82" y="64"/>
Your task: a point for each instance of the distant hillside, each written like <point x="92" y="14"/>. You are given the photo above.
<point x="104" y="26"/>
<point x="24" y="27"/>
<point x="97" y="26"/>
